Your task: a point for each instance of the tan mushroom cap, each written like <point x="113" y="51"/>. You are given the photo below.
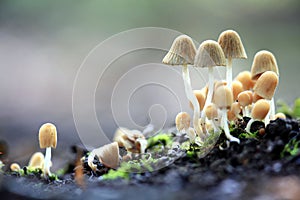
<point x="232" y="45"/>
<point x="280" y="115"/>
<point x="201" y="97"/>
<point x="182" y="121"/>
<point x="245" y="78"/>
<point x="48" y="136"/>
<point x="263" y="61"/>
<point x="260" y="109"/>
<point x="209" y="54"/>
<point x="266" y="84"/>
<point x="211" y="111"/>
<point x="223" y="97"/>
<point x="244" y="98"/>
<point x="219" y="83"/>
<point x="15" y="167"/>
<point x="236" y="108"/>
<point x="108" y="155"/>
<point x="36" y="160"/>
<point x="237" y="88"/>
<point x="182" y="52"/>
<point x="256" y="97"/>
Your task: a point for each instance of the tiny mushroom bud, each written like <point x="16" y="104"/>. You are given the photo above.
<point x="236" y="110"/>
<point x="223" y="99"/>
<point x="108" y="155"/>
<point x="245" y="99"/>
<point x="47" y="139"/>
<point x="211" y="113"/>
<point x="36" y="161"/>
<point x="245" y="78"/>
<point x="15" y="167"/>
<point x="232" y="46"/>
<point x="183" y="121"/>
<point x="237" y="88"/>
<point x="259" y="112"/>
<point x="280" y="115"/>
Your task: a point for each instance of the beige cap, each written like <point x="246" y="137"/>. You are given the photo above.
<point x="280" y="115"/>
<point x="223" y="97"/>
<point x="245" y="78"/>
<point x="232" y="45"/>
<point x="182" y="52"/>
<point x="236" y="108"/>
<point x="266" y="84"/>
<point x="48" y="136"/>
<point x="182" y="121"/>
<point x="36" y="160"/>
<point x="263" y="61"/>
<point x="201" y="96"/>
<point x="209" y="54"/>
<point x="211" y="111"/>
<point x="15" y="167"/>
<point x="244" y="98"/>
<point x="260" y="109"/>
<point x="237" y="88"/>
<point x="108" y="155"/>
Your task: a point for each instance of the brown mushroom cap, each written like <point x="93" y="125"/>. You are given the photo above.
<point x="109" y="155"/>
<point x="209" y="54"/>
<point x="36" y="160"/>
<point x="237" y="88"/>
<point x="223" y="97"/>
<point x="260" y="109"/>
<point x="231" y="44"/>
<point x="263" y="61"/>
<point x="256" y="97"/>
<point x="236" y="108"/>
<point x="211" y="111"/>
<point x="245" y="78"/>
<point x="182" y="52"/>
<point x="201" y="96"/>
<point x="182" y="121"/>
<point x="48" y="136"/>
<point x="244" y="98"/>
<point x="266" y="84"/>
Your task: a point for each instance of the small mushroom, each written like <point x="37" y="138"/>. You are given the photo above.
<point x="223" y="98"/>
<point x="235" y="111"/>
<point x="280" y="115"/>
<point x="237" y="88"/>
<point x="182" y="52"/>
<point x="259" y="112"/>
<point x="245" y="99"/>
<point x="245" y="78"/>
<point x="37" y="161"/>
<point x="201" y="96"/>
<point x="48" y="140"/>
<point x="182" y="122"/>
<point x="15" y="167"/>
<point x="212" y="115"/>
<point x="108" y="155"/>
<point x="232" y="46"/>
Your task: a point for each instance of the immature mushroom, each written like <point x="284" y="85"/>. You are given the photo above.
<point x="245" y="78"/>
<point x="201" y="96"/>
<point x="236" y="110"/>
<point x="209" y="54"/>
<point x="182" y="122"/>
<point x="223" y="98"/>
<point x="15" y="167"/>
<point x="256" y="97"/>
<point x="108" y="155"/>
<point x="280" y="115"/>
<point x="233" y="48"/>
<point x="37" y="161"/>
<point x="259" y="112"/>
<point x="245" y="99"/>
<point x="211" y="113"/>
<point x="182" y="52"/>
<point x="48" y="140"/>
<point x="237" y="88"/>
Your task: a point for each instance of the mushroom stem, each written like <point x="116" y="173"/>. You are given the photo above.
<point x="192" y="98"/>
<point x="210" y="93"/>
<point x="229" y="72"/>
<point x="226" y="128"/>
<point x="271" y="113"/>
<point x="247" y="129"/>
<point x="47" y="162"/>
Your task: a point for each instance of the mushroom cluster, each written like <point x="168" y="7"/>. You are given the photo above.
<point x="249" y="94"/>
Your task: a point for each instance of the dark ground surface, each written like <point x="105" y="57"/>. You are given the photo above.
<point x="254" y="169"/>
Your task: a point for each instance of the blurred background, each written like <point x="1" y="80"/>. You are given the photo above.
<point x="43" y="44"/>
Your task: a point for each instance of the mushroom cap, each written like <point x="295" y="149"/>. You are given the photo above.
<point x="263" y="61"/>
<point x="280" y="115"/>
<point x="201" y="96"/>
<point x="48" y="136"/>
<point x="108" y="155"/>
<point x="245" y="78"/>
<point x="182" y="121"/>
<point x="36" y="160"/>
<point x="15" y="167"/>
<point x="256" y="97"/>
<point x="211" y="111"/>
<point x="236" y="108"/>
<point x="266" y="84"/>
<point x="182" y="52"/>
<point x="244" y="98"/>
<point x="223" y="97"/>
<point x="209" y="54"/>
<point x="219" y="83"/>
<point x="232" y="45"/>
<point x="260" y="109"/>
<point x="237" y="88"/>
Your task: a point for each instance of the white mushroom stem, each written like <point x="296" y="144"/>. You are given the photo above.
<point x="271" y="113"/>
<point x="226" y="128"/>
<point x="191" y="134"/>
<point x="192" y="98"/>
<point x="47" y="162"/>
<point x="249" y="125"/>
<point x="246" y="112"/>
<point x="210" y="93"/>
<point x="215" y="126"/>
<point x="91" y="159"/>
<point x="229" y="72"/>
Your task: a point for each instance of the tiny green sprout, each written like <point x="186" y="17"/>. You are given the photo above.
<point x="160" y="139"/>
<point x="116" y="174"/>
<point x="53" y="177"/>
<point x="291" y="148"/>
<point x="249" y="135"/>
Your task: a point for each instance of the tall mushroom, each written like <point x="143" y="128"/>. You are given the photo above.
<point x="223" y="98"/>
<point x="232" y="46"/>
<point x="182" y="52"/>
<point x="209" y="54"/>
<point x="48" y="140"/>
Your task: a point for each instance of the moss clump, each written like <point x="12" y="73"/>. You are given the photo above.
<point x="293" y="111"/>
<point x="291" y="148"/>
<point x="160" y="139"/>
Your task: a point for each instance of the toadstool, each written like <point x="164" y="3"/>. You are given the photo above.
<point x="37" y="161"/>
<point x="15" y="167"/>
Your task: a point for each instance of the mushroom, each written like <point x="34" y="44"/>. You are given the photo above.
<point x="15" y="167"/>
<point x="232" y="46"/>
<point x="280" y="115"/>
<point x="182" y="52"/>
<point x="48" y="140"/>
<point x="259" y="112"/>
<point x="108" y="155"/>
<point x="245" y="78"/>
<point x="209" y="54"/>
<point x="182" y="122"/>
<point x="37" y="161"/>
<point x="235" y="110"/>
<point x="223" y="98"/>
<point x="245" y="99"/>
<point x="237" y="88"/>
<point x="265" y="87"/>
<point x="133" y="140"/>
<point x="211" y="113"/>
<point x="255" y="97"/>
<point x="201" y="96"/>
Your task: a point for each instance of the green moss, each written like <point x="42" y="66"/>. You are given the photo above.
<point x="53" y="177"/>
<point x="293" y="111"/>
<point x="249" y="135"/>
<point x="290" y="149"/>
<point x="160" y="139"/>
<point x="115" y="174"/>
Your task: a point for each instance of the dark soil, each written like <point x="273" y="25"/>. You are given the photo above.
<point x="257" y="168"/>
